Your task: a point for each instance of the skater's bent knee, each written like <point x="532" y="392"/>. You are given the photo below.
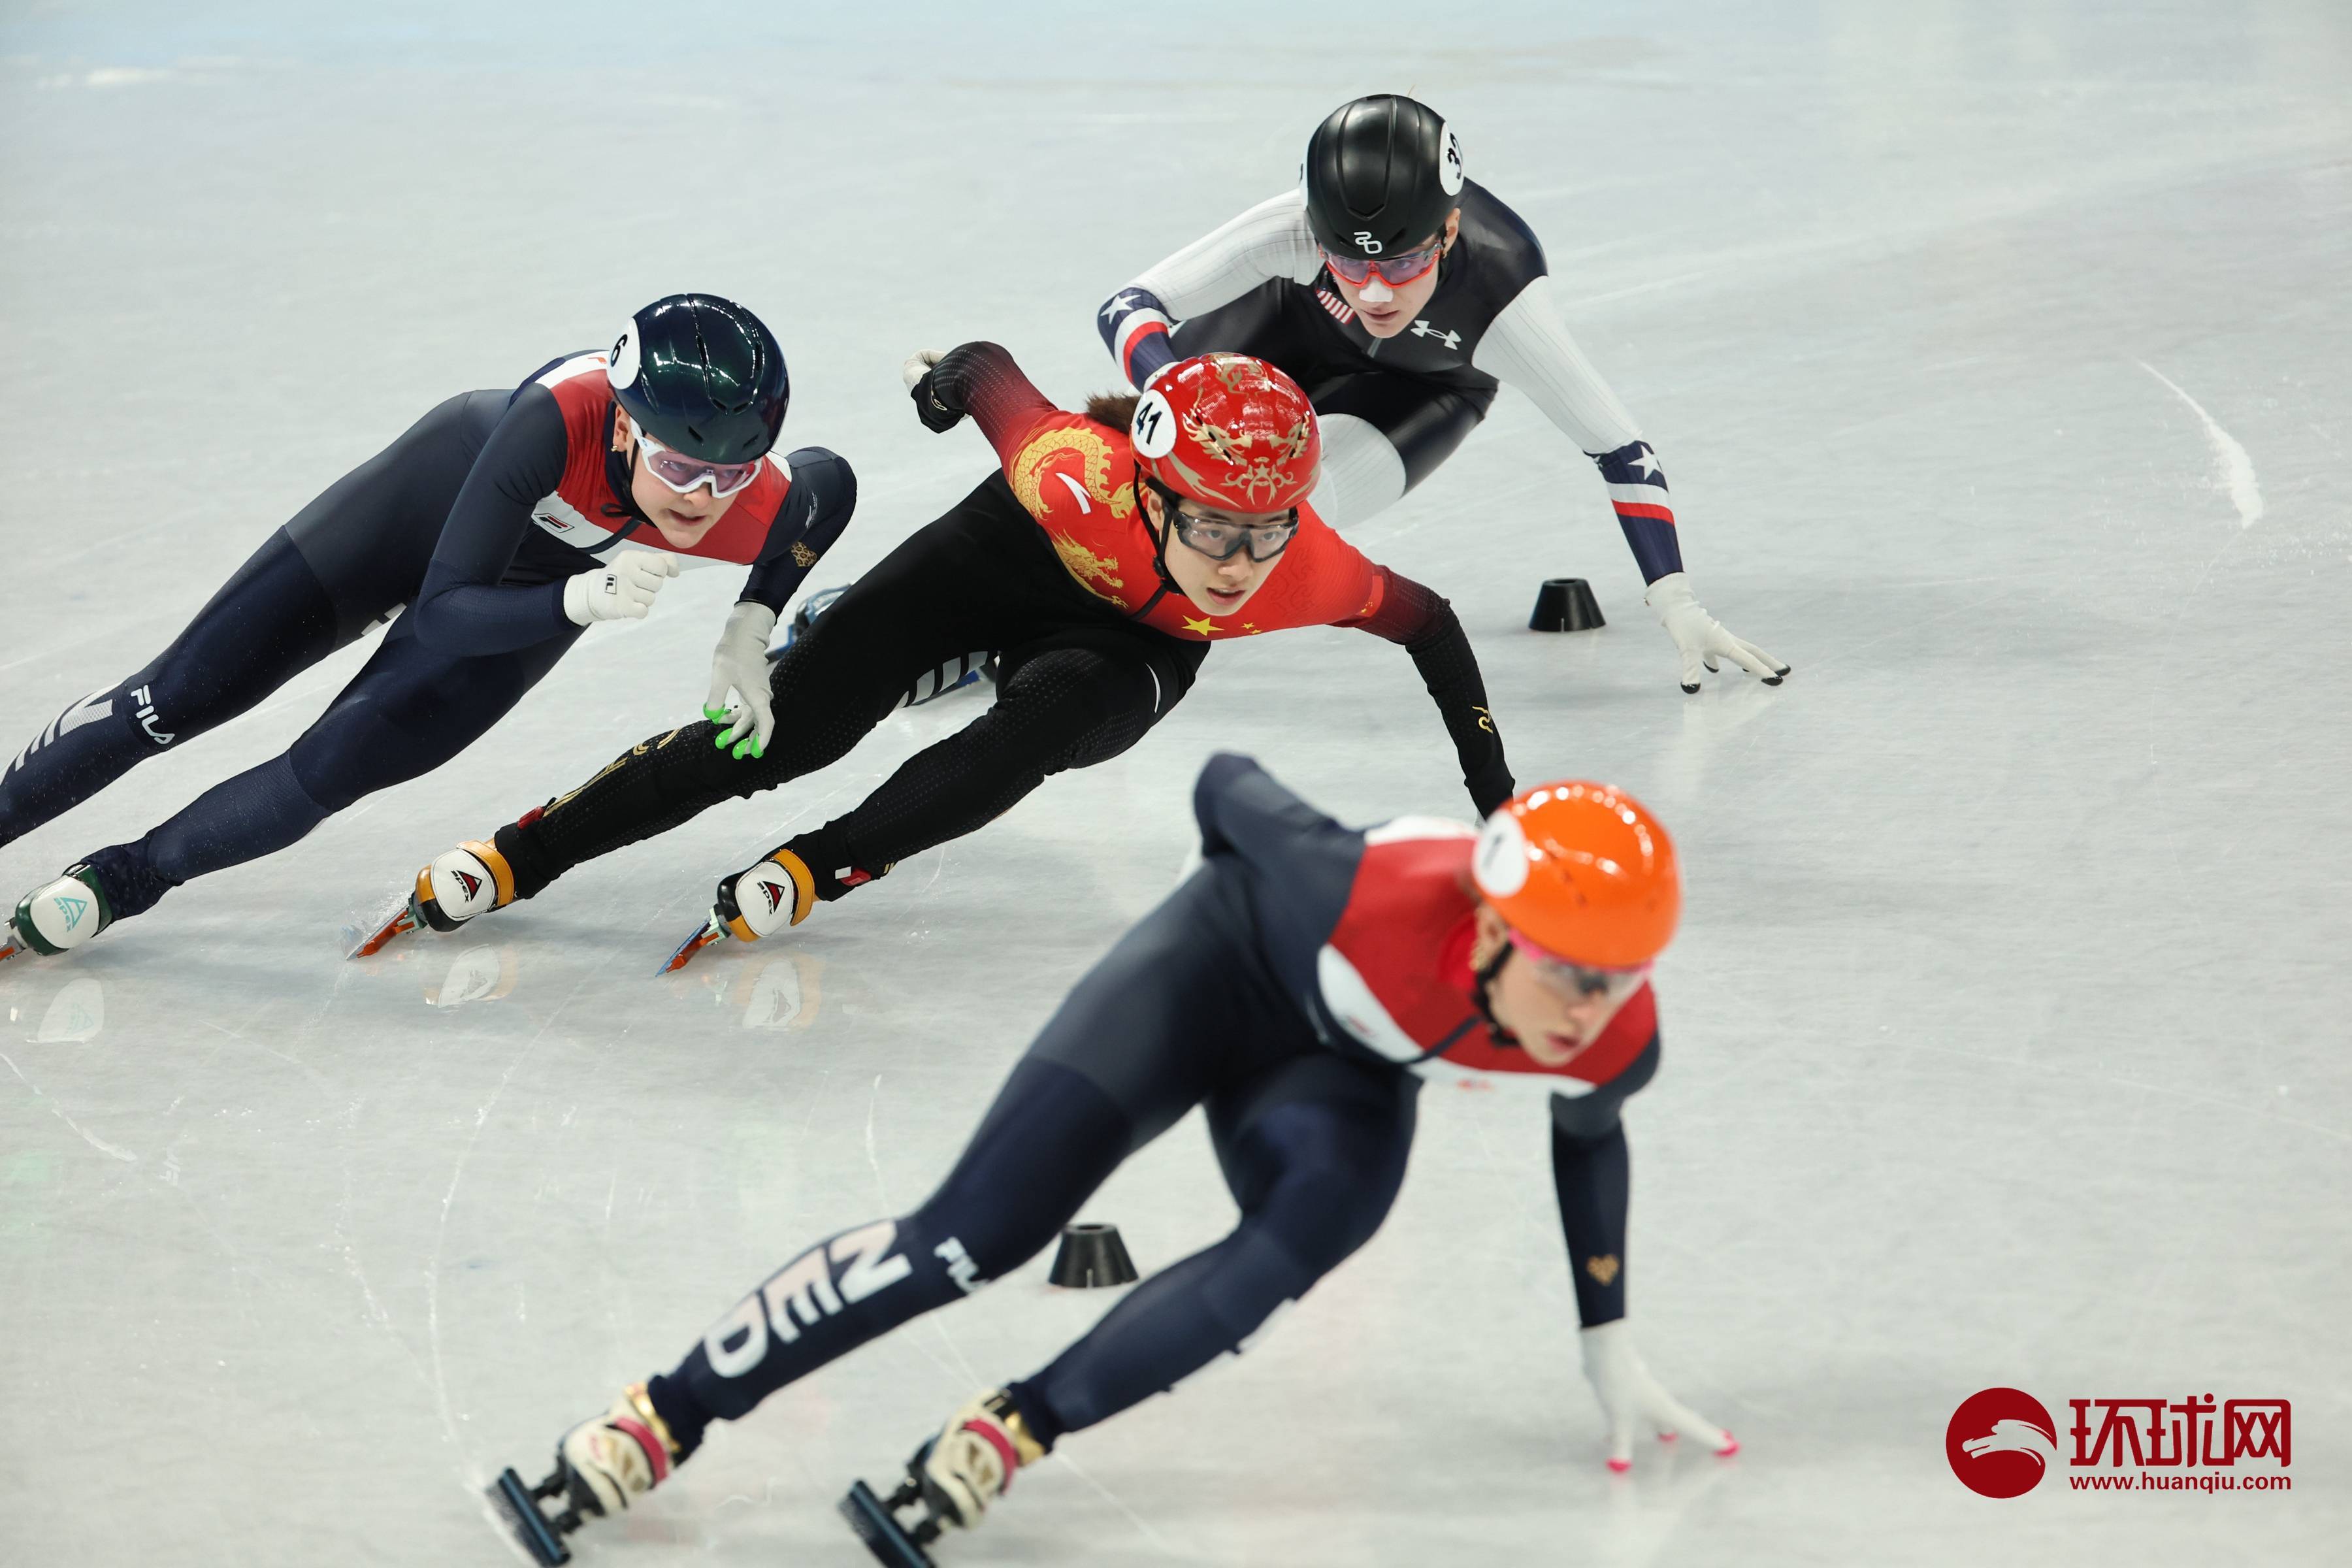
<point x="1320" y="1215"/>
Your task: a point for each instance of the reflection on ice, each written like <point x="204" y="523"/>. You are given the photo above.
<point x="2011" y="918"/>
<point x="78" y="1013"/>
<point x="481" y="973"/>
<point x="52" y="1007"/>
<point x="780" y="993"/>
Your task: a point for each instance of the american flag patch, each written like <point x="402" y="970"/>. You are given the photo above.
<point x="1336" y="306"/>
<point x="1637" y="485"/>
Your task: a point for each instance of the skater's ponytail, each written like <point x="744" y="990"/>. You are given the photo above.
<point x="1116" y="409"/>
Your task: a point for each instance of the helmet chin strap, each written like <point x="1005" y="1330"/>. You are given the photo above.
<point x="620" y="478"/>
<point x="1484" y="983"/>
<point x="1158" y="548"/>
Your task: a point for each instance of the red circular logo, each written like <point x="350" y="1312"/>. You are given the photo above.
<point x="2001" y="1442"/>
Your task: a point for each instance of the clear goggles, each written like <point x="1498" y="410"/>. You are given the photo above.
<point x="1395" y="271"/>
<point x="684" y="474"/>
<point x="1222" y="541"/>
<point x="1580" y="981"/>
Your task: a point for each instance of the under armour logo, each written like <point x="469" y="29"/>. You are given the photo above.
<point x="1423" y="330"/>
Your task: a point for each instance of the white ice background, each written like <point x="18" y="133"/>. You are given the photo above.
<point x="2002" y="360"/>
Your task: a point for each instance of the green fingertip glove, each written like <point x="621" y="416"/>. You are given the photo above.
<point x="748" y="745"/>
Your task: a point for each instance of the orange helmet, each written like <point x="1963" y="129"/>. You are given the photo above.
<point x="1584" y="872"/>
<point x="1228" y="431"/>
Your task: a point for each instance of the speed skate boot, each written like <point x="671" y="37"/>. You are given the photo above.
<point x="779" y="892"/>
<point x="953" y="1479"/>
<point x="471" y="880"/>
<point x="59" y="917"/>
<point x="601" y="1468"/>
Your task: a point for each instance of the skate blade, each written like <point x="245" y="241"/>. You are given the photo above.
<point x="367" y="940"/>
<point x="8" y="950"/>
<point x="877" y="1526"/>
<point x="710" y="931"/>
<point x="531" y="1527"/>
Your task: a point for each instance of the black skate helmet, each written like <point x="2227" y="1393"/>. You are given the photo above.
<point x="1382" y="172"/>
<point x="702" y="375"/>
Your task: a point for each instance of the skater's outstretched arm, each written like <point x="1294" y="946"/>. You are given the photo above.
<point x="1408" y="613"/>
<point x="461" y="609"/>
<point x="823" y="496"/>
<point x="1591" y="1173"/>
<point x="1528" y="347"/>
<point x="823" y="493"/>
<point x="1269" y="241"/>
<point x="980" y="379"/>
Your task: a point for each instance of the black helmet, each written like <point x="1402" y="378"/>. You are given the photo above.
<point x="701" y="375"/>
<point x="1381" y="173"/>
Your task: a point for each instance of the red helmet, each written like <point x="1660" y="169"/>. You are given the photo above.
<point x="1230" y="432"/>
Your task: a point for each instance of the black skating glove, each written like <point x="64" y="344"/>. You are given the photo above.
<point x="921" y="374"/>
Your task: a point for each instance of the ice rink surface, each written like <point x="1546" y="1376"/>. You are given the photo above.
<point x="2001" y="359"/>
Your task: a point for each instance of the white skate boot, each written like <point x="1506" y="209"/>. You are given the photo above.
<point x="954" y="1478"/>
<point x="601" y="1467"/>
<point x="757" y="902"/>
<point x="471" y="880"/>
<point x="59" y="917"/>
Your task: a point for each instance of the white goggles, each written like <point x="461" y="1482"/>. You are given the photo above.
<point x="685" y="474"/>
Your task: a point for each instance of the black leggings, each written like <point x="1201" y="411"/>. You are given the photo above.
<point x="1181" y="1012"/>
<point x="1077" y="684"/>
<point x="349" y="559"/>
<point x="1279" y="323"/>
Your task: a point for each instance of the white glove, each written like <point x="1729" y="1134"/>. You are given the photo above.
<point x="740" y="665"/>
<point x="919" y="365"/>
<point x="1631" y="1396"/>
<point x="1702" y="637"/>
<point x="624" y="590"/>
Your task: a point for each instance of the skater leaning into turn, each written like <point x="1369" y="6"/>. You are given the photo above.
<point x="507" y="523"/>
<point x="1401" y="295"/>
<point x="1300" y="986"/>
<point x="1113" y="548"/>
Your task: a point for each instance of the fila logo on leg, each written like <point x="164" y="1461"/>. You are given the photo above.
<point x="147" y="719"/>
